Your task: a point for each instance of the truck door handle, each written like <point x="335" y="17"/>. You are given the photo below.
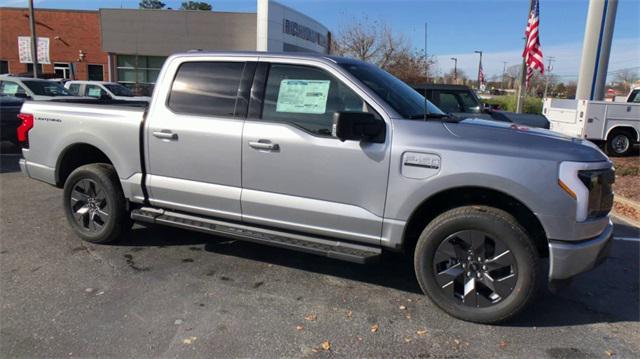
<point x="165" y="135"/>
<point x="264" y="145"/>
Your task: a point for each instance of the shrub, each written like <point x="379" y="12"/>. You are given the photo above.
<point x="508" y="103"/>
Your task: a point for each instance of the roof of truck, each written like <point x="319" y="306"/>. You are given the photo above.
<point x="268" y="54"/>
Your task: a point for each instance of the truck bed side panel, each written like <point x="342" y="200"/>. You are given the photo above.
<point x="114" y="130"/>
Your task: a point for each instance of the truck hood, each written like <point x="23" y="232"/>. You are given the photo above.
<point x="510" y="138"/>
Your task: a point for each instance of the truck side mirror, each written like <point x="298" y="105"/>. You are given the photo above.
<point x="358" y="126"/>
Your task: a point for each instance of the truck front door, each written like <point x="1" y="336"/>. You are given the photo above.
<point x="295" y="175"/>
<point x="193" y="137"/>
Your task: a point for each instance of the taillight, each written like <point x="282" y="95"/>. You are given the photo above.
<point x="23" y="129"/>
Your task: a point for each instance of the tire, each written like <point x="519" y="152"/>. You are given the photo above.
<point x="620" y="143"/>
<point x="95" y="205"/>
<point x="505" y="259"/>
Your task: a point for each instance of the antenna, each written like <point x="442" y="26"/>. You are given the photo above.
<point x="426" y="73"/>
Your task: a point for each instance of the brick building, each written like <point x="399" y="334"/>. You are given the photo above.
<point x="74" y="42"/>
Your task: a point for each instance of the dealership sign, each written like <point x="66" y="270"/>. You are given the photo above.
<point x="304" y="32"/>
<point x="24" y="50"/>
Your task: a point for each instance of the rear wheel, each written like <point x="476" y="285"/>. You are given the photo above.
<point x="620" y="143"/>
<point x="95" y="205"/>
<point x="477" y="264"/>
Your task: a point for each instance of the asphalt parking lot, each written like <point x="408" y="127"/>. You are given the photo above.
<point x="164" y="292"/>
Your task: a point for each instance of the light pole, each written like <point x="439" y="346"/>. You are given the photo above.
<point x="504" y="73"/>
<point x="547" y="75"/>
<point x="34" y="40"/>
<point x="455" y="69"/>
<point x="479" y="67"/>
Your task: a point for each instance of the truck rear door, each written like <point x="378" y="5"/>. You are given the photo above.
<point x="194" y="133"/>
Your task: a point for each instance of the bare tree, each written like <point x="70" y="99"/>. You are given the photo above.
<point x="375" y="42"/>
<point x="626" y="77"/>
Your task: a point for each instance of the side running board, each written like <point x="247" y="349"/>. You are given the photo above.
<point x="303" y="243"/>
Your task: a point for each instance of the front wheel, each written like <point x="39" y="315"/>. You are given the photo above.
<point x="95" y="205"/>
<point x="619" y="143"/>
<point x="477" y="264"/>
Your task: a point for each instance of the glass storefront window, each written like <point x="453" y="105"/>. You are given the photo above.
<point x="136" y="69"/>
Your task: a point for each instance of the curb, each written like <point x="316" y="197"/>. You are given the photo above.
<point x="625" y="202"/>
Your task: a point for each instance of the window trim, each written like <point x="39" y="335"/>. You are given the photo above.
<point x="259" y="90"/>
<point x="235" y="109"/>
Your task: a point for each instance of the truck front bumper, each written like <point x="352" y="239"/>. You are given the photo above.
<point x="569" y="258"/>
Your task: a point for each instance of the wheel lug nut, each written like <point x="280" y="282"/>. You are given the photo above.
<point x="469" y="258"/>
<point x="479" y="259"/>
<point x="479" y="275"/>
<point x="484" y="267"/>
<point x="468" y="274"/>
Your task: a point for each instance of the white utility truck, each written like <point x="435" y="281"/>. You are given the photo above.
<point x="616" y="124"/>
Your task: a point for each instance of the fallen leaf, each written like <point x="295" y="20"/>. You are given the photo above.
<point x="326" y="345"/>
<point x="374" y="328"/>
<point x="456" y="342"/>
<point x="402" y="307"/>
<point x="359" y="338"/>
<point x="299" y="327"/>
<point x="503" y="344"/>
<point x="189" y="340"/>
<point x="422" y="332"/>
<point x="408" y="316"/>
<point x="349" y="314"/>
<point x="311" y="317"/>
<point x="407" y="340"/>
<point x="609" y="353"/>
<point x="409" y="300"/>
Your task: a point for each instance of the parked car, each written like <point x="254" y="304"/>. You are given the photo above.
<point x="103" y="90"/>
<point x="332" y="156"/>
<point x="615" y="125"/>
<point x="462" y="102"/>
<point x="9" y="122"/>
<point x="33" y="89"/>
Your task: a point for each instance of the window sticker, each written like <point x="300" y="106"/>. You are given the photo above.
<point x="303" y="96"/>
<point x="93" y="92"/>
<point x="10" y="88"/>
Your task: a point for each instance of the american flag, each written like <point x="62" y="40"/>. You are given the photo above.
<point x="533" y="52"/>
<point x="482" y="83"/>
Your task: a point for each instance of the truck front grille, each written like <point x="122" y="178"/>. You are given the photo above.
<point x="599" y="183"/>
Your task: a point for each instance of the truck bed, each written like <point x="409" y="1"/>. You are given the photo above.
<point x="115" y="129"/>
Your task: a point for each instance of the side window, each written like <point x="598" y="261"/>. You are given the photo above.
<point x="206" y="88"/>
<point x="94" y="91"/>
<point x="307" y="97"/>
<point x="635" y="96"/>
<point x="74" y="89"/>
<point x="448" y="102"/>
<point x="9" y="88"/>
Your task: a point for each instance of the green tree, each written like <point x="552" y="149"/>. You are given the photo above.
<point x="151" y="4"/>
<point x="195" y="5"/>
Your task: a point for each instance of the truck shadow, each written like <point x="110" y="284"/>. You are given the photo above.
<point x="610" y="293"/>
<point x="9" y="157"/>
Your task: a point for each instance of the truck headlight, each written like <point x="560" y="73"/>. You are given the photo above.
<point x="589" y="183"/>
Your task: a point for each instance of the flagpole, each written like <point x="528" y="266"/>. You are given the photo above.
<point x="522" y="91"/>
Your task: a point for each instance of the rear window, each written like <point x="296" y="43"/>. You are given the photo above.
<point x="206" y="88"/>
<point x="46" y="88"/>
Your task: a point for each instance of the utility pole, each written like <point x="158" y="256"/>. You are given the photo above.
<point x="504" y="73"/>
<point x="479" y="67"/>
<point x="547" y="75"/>
<point x="34" y="40"/>
<point x="522" y="92"/>
<point x="455" y="69"/>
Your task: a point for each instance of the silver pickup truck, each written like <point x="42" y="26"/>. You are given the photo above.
<point x="335" y="157"/>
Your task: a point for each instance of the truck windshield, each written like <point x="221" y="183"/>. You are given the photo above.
<point x="119" y="90"/>
<point x="405" y="100"/>
<point x="46" y="88"/>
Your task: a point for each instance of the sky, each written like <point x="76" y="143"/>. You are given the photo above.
<point x="455" y="27"/>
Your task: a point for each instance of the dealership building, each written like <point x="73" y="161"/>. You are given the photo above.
<point x="130" y="45"/>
